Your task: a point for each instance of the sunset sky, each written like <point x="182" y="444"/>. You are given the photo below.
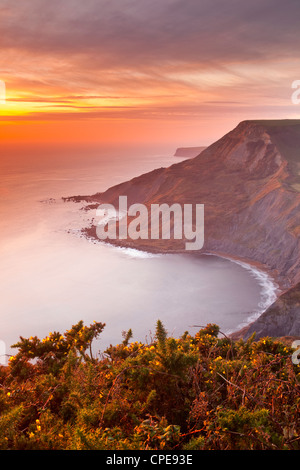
<point x="158" y="73"/>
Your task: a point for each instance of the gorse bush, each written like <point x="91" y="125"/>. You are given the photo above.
<point x="201" y="391"/>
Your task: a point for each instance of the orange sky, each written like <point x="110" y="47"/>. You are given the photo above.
<point x="160" y="74"/>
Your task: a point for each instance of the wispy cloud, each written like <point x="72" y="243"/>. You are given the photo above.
<point x="141" y="58"/>
<point x="134" y="32"/>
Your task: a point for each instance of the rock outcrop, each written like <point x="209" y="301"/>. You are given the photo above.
<point x="282" y="318"/>
<point x="188" y="152"/>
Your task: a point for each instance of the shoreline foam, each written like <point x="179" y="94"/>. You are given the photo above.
<point x="270" y="289"/>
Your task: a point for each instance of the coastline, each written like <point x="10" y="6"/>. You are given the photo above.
<point x="269" y="282"/>
<point x="270" y="291"/>
<point x="247" y="179"/>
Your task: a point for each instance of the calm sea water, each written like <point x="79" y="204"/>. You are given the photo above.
<point x="51" y="277"/>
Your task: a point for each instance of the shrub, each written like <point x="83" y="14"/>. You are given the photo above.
<point x="200" y="391"/>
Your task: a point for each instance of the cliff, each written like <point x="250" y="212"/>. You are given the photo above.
<point x="188" y="152"/>
<point x="249" y="183"/>
<point x="282" y="318"/>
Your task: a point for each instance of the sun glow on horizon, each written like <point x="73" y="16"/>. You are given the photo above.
<point x="96" y="72"/>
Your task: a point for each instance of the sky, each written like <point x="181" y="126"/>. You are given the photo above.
<point x="159" y="73"/>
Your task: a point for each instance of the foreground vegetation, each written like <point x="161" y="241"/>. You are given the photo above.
<point x="199" y="391"/>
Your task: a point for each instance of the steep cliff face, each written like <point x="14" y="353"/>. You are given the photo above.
<point x="282" y="318"/>
<point x="249" y="184"/>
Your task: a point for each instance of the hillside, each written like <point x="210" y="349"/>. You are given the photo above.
<point x="249" y="183"/>
<point x="281" y="318"/>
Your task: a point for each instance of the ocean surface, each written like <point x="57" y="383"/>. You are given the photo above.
<point x="51" y="277"/>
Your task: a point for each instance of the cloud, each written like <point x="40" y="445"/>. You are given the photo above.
<point x="172" y="58"/>
<point x="139" y="33"/>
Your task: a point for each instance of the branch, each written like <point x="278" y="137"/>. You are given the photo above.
<point x="119" y="375"/>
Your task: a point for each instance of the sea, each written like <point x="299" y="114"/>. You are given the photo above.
<point x="51" y="276"/>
